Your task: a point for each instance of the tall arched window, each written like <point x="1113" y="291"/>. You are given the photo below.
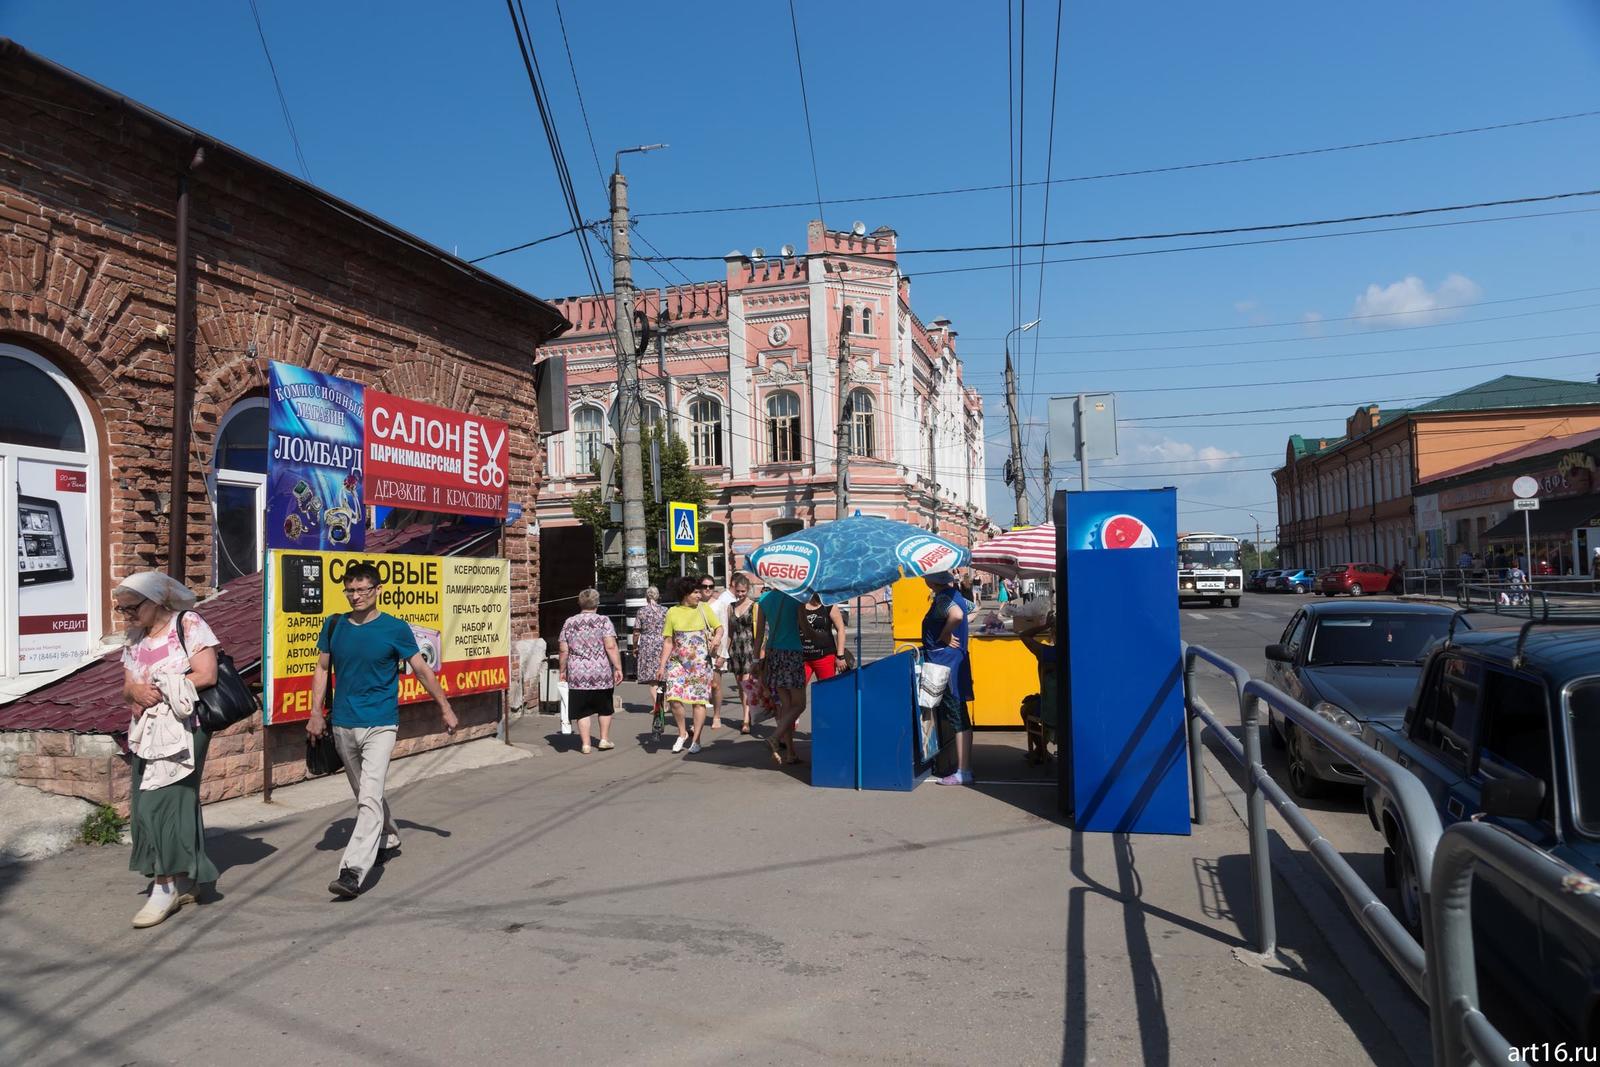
<point x="49" y="509"/>
<point x="588" y="433"/>
<point x="783" y="428"/>
<point x="866" y="321"/>
<point x="705" y="432"/>
<point x="858" y="412"/>
<point x="845" y="322"/>
<point x="238" y="490"/>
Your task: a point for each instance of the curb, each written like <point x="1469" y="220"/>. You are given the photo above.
<point x="1387" y="995"/>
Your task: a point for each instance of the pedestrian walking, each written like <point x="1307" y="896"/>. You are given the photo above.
<point x="713" y="602"/>
<point x="647" y="644"/>
<point x="365" y="648"/>
<point x="742" y="643"/>
<point x="689" y="639"/>
<point x="592" y="668"/>
<point x="822" y="639"/>
<point x="944" y="641"/>
<point x="169" y="653"/>
<point x="783" y="661"/>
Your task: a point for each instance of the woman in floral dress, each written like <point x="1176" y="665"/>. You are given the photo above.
<point x="689" y="637"/>
<point x="591" y="667"/>
<point x="647" y="659"/>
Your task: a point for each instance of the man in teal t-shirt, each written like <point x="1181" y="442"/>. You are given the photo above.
<point x="364" y="649"/>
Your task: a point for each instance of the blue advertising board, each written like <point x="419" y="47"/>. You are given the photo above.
<point x="1122" y="660"/>
<point x="314" y="449"/>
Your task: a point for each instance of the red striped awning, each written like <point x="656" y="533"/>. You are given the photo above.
<point x="1019" y="554"/>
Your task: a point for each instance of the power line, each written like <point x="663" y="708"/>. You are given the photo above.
<point x="1304" y="322"/>
<point x="1333" y="404"/>
<point x="283" y="102"/>
<point x="530" y="244"/>
<point x="1275" y="240"/>
<point x="1168" y="169"/>
<point x="1223" y="231"/>
<point x="1044" y="226"/>
<point x="805" y="103"/>
<point x="576" y="88"/>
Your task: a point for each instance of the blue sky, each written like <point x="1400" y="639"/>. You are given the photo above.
<point x="425" y="118"/>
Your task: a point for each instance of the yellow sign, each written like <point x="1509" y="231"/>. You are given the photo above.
<point x="683" y="523"/>
<point x="459" y="610"/>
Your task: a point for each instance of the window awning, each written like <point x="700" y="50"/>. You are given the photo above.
<point x="1553" y="517"/>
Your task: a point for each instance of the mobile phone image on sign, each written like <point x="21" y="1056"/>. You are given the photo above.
<point x="1125" y="531"/>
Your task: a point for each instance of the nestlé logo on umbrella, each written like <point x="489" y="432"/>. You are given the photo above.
<point x="787" y="565"/>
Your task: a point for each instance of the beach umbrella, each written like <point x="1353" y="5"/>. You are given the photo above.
<point x="1029" y="553"/>
<point x="850" y="557"/>
<point x="847" y="558"/>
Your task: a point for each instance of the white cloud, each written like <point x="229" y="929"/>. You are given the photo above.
<point x="1410" y="301"/>
<point x="1244" y="307"/>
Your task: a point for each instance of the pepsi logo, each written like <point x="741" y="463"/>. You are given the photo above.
<point x="1126" y="531"/>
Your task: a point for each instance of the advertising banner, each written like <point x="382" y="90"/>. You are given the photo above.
<point x="314" y="433"/>
<point x="53" y="567"/>
<point x="429" y="458"/>
<point x="458" y="608"/>
<point x="1121" y="661"/>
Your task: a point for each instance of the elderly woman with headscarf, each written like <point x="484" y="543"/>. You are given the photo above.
<point x="169" y="654"/>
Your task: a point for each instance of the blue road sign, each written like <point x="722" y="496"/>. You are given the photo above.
<point x="683" y="520"/>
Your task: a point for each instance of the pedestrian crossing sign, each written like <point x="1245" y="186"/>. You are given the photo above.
<point x="684" y="522"/>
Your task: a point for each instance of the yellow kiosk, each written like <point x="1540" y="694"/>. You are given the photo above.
<point x="1003" y="670"/>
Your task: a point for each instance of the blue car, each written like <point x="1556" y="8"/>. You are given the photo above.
<point x="1505" y="728"/>
<point x="1292" y="581"/>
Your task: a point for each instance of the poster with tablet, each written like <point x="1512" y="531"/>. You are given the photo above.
<point x="52" y="565"/>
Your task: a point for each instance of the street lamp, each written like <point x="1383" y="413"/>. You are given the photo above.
<point x="1258" y="538"/>
<point x="1019" y="486"/>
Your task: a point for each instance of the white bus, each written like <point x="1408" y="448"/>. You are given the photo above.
<point x="1208" y="567"/>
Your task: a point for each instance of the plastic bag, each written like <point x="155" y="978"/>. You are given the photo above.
<point x="933" y="680"/>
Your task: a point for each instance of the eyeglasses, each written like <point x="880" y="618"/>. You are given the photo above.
<point x="353" y="592"/>
<point x="129" y="609"/>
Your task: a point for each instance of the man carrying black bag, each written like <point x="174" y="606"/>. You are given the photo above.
<point x="364" y="649"/>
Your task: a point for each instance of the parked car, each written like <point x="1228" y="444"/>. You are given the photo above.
<point x="1505" y="728"/>
<point x="1256" y="581"/>
<point x="1299" y="580"/>
<point x="1353" y="664"/>
<point x="1357" y="579"/>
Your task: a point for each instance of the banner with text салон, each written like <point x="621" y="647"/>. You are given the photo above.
<point x="459" y="608"/>
<point x="427" y="458"/>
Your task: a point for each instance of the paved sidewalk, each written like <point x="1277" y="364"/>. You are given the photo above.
<point x="638" y="906"/>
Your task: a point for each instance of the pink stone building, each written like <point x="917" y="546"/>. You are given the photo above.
<point x="754" y="385"/>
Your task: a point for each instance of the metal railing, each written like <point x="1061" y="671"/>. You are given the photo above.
<point x="1419" y="819"/>
<point x="1461" y="1032"/>
<point x="1447" y="582"/>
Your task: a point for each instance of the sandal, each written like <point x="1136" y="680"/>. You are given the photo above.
<point x="585" y="750"/>
<point x="605" y="746"/>
<point x="744" y="728"/>
<point x="777" y="756"/>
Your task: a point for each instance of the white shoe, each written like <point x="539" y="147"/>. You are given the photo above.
<point x="677" y="746"/>
<point x="156" y="910"/>
<point x="694" y="749"/>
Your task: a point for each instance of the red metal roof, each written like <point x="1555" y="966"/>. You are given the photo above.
<point x="89" y="701"/>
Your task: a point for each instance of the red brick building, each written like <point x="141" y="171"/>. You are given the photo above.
<point x="91" y="357"/>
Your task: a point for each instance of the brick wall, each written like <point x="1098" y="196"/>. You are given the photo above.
<point x="92" y="767"/>
<point x="87" y="280"/>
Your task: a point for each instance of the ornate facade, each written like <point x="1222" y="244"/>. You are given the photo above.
<point x="755" y="382"/>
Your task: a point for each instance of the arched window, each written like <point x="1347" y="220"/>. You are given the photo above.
<point x="705" y="432"/>
<point x="50" y="509"/>
<point x="238" y="490"/>
<point x="845" y="323"/>
<point x="783" y="428"/>
<point x="649" y="418"/>
<point x="866" y="321"/>
<point x="858" y="413"/>
<point x="588" y="433"/>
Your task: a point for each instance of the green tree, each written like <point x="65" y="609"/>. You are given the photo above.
<point x="678" y="482"/>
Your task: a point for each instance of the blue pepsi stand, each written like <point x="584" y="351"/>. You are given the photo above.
<point x="1120" y="662"/>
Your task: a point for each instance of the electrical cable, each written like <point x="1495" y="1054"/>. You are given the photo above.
<point x="1142" y="172"/>
<point x="572" y="66"/>
<point x="1223" y="231"/>
<point x="1044" y="226"/>
<point x="530" y="244"/>
<point x="277" y="84"/>
<point x="805" y="103"/>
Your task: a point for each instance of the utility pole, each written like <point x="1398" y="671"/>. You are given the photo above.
<point x="1258" y="539"/>
<point x="635" y="560"/>
<point x="1019" y="480"/>
<point x="841" y="460"/>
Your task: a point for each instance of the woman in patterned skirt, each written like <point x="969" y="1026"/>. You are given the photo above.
<point x="689" y="638"/>
<point x="647" y="659"/>
<point x="742" y="641"/>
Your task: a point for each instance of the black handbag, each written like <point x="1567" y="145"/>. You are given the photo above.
<point x="229" y="700"/>
<point x="322" y="755"/>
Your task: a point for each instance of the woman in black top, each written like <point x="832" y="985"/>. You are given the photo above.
<point x="821" y="638"/>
